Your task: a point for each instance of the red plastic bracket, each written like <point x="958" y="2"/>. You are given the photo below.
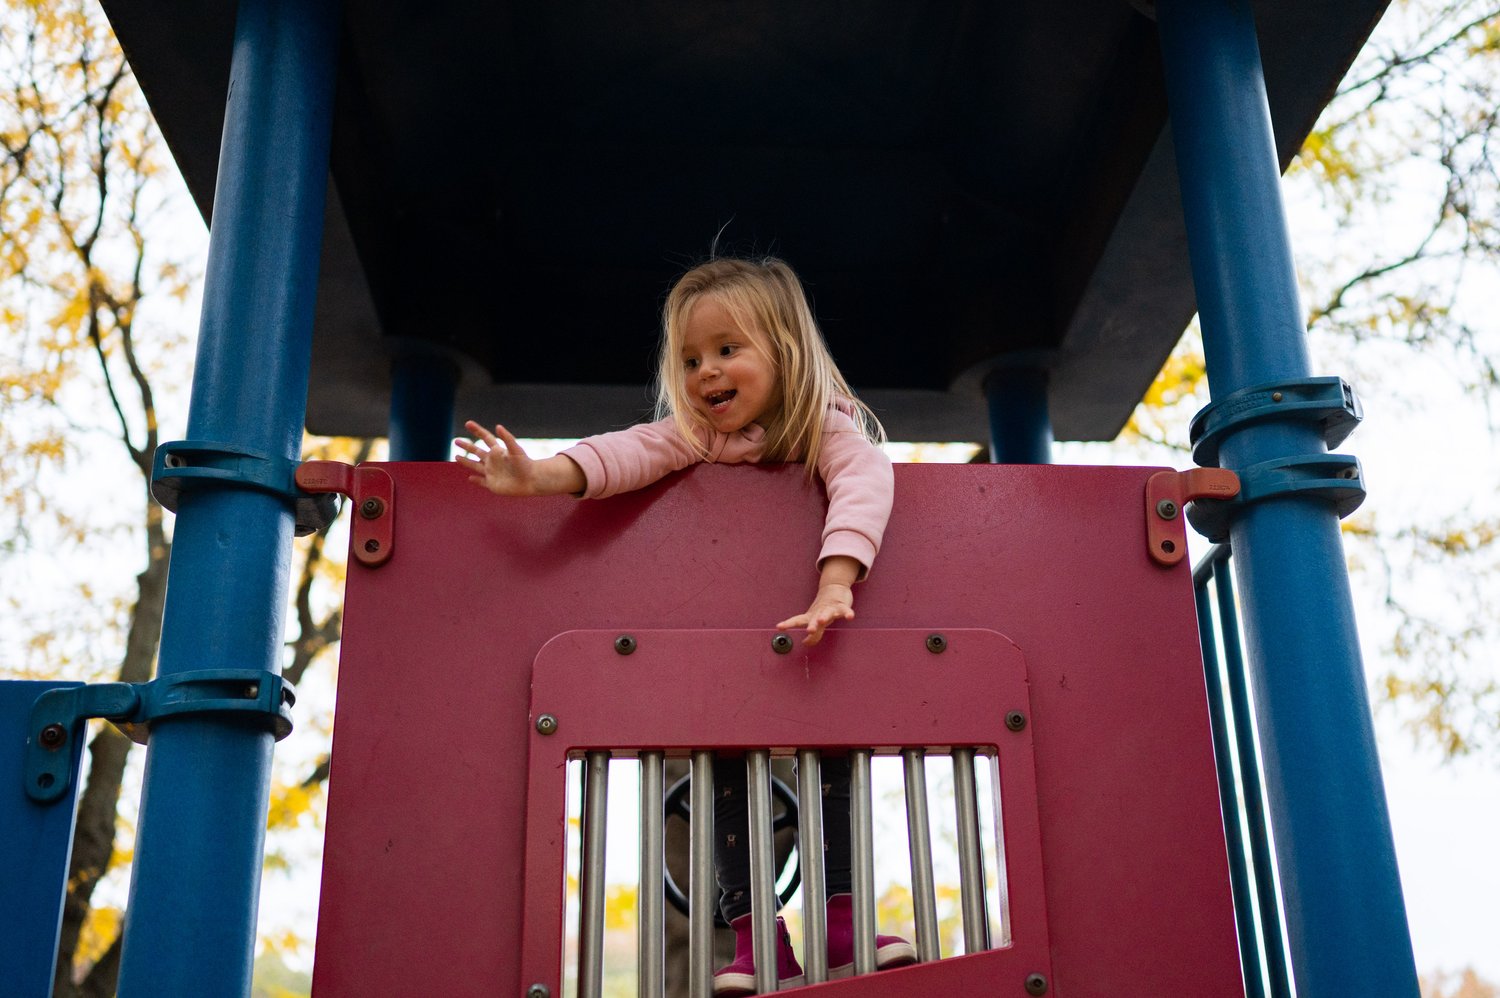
<point x="1167" y="492"/>
<point x="373" y="526"/>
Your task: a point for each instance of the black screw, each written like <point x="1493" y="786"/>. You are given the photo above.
<point x="936" y="643"/>
<point x="625" y="644"/>
<point x="1036" y="984"/>
<point x="1015" y="720"/>
<point x="371" y="508"/>
<point x="372" y="545"/>
<point x="781" y="643"/>
<point x="546" y="724"/>
<point x="53" y="736"/>
<point x="1166" y="509"/>
<point x="538" y="991"/>
<point x="1168" y="547"/>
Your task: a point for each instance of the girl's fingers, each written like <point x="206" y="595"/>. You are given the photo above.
<point x="798" y="621"/>
<point x="509" y="441"/>
<point x="480" y="432"/>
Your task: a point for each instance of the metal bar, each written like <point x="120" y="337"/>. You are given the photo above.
<point x="423" y="384"/>
<point x="862" y="857"/>
<point x="1229" y="795"/>
<point x="1271" y="943"/>
<point x="919" y="840"/>
<point x="970" y="861"/>
<point x="195" y="885"/>
<point x="651" y="965"/>
<point x="1020" y="423"/>
<point x="701" y="884"/>
<point x="1002" y="874"/>
<point x="1345" y="915"/>
<point x="810" y="856"/>
<point x="762" y="869"/>
<point x="591" y="876"/>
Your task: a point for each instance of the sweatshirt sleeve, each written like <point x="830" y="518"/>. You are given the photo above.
<point x="630" y="459"/>
<point x="860" y="486"/>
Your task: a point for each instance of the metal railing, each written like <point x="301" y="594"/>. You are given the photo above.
<point x="1252" y="871"/>
<point x="703" y="894"/>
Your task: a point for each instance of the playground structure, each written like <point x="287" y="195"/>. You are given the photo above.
<point x="1052" y="306"/>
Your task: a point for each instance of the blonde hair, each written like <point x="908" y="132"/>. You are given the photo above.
<point x="765" y="296"/>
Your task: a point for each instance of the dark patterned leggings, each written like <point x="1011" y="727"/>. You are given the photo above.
<point x="732" y="832"/>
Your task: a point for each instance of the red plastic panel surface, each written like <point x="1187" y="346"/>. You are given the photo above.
<point x="730" y="689"/>
<point x="423" y="871"/>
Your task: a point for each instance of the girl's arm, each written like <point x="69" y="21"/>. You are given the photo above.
<point x="835" y="599"/>
<point x="505" y="469"/>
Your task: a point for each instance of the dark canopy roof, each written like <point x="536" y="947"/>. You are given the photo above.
<point x="517" y="183"/>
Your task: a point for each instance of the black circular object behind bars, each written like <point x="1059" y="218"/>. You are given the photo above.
<point x="676" y="804"/>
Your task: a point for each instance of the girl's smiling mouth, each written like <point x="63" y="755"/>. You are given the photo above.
<point x="718" y="401"/>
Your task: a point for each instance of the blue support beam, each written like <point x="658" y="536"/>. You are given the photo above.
<point x="423" y="384"/>
<point x="1020" y="422"/>
<point x="1345" y="914"/>
<point x="190" y="928"/>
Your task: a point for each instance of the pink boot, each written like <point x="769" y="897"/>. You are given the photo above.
<point x="890" y="951"/>
<point x="738" y="977"/>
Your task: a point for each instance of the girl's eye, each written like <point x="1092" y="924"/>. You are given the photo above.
<point x="726" y="349"/>
<point x="690" y="364"/>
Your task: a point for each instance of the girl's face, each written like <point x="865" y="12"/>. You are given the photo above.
<point x="728" y="374"/>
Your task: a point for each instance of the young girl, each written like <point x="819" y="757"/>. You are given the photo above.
<point x="744" y="377"/>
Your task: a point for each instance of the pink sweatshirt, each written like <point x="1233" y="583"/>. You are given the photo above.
<point x="856" y="473"/>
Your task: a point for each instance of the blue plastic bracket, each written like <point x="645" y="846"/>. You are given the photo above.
<point x="58" y="716"/>
<point x="1337" y="478"/>
<point x="190" y="464"/>
<point x="1329" y="402"/>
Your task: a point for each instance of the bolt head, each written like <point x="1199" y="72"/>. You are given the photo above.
<point x="372" y="545"/>
<point x="1275" y="396"/>
<point x="1015" y="720"/>
<point x="371" y="508"/>
<point x="1036" y="984"/>
<point x="781" y="643"/>
<point x="625" y="644"/>
<point x="1166" y="509"/>
<point x="546" y="724"/>
<point x="936" y="643"/>
<point x="53" y="736"/>
<point x="538" y="991"/>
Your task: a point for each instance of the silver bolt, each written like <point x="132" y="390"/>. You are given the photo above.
<point x="538" y="991"/>
<point x="1036" y="984"/>
<point x="936" y="643"/>
<point x="1166" y="509"/>
<point x="781" y="643"/>
<point x="546" y="724"/>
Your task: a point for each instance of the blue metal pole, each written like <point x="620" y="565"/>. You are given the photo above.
<point x="1020" y="423"/>
<point x="190" y="928"/>
<point x="1345" y="915"/>
<point x="423" y="384"/>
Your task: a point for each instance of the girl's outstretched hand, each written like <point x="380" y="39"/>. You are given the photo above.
<point x="503" y="467"/>
<point x="834" y="602"/>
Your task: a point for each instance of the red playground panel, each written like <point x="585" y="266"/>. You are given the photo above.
<point x="442" y="866"/>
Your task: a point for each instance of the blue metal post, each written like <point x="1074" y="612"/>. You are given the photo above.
<point x="190" y="928"/>
<point x="1020" y="424"/>
<point x="423" y="384"/>
<point x="1345" y="915"/>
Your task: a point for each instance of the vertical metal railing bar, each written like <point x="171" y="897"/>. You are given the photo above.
<point x="1255" y="808"/>
<point x="1229" y="790"/>
<point x="970" y="862"/>
<point x="591" y="877"/>
<point x="1002" y="881"/>
<point x="762" y="869"/>
<point x="651" y="965"/>
<point x="810" y="856"/>
<point x="919" y="843"/>
<point x="701" y="884"/>
<point x="862" y="855"/>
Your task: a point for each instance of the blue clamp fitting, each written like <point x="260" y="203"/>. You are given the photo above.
<point x="1337" y="478"/>
<point x="190" y="464"/>
<point x="1328" y="402"/>
<point x="59" y="715"/>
